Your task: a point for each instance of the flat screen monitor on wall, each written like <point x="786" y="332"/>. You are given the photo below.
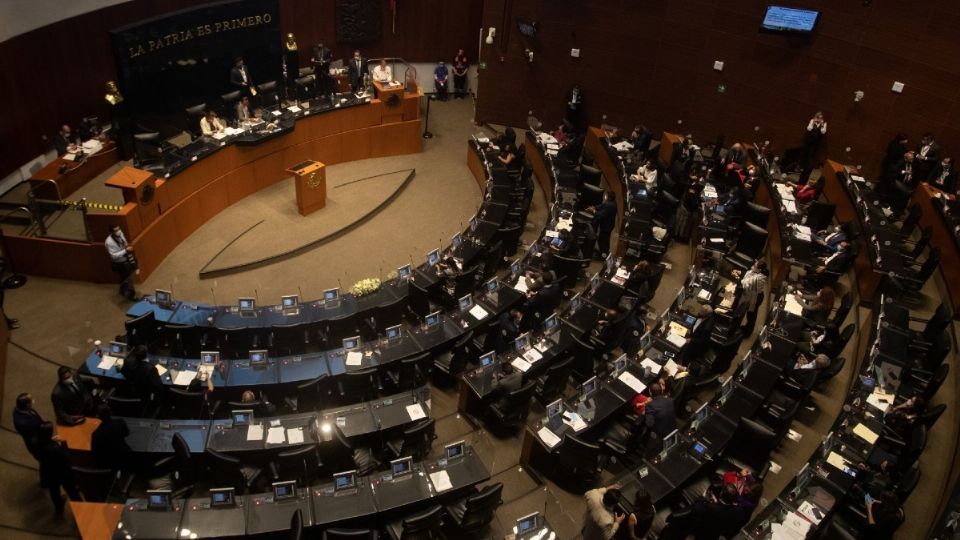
<point x="788" y="20"/>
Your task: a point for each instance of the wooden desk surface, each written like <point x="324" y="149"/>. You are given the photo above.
<point x="77" y="174"/>
<point x="78" y="437"/>
<point x="96" y="521"/>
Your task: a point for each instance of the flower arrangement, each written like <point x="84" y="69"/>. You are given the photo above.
<point x="365" y="287"/>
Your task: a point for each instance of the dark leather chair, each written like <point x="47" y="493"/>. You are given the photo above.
<point x="578" y="463"/>
<point x="418" y="301"/>
<point x="756" y="214"/>
<point x="798" y="384"/>
<point x="551" y="384"/>
<point x="930" y="416"/>
<point x="750" y="448"/>
<point x="511" y="410"/>
<point x="176" y="472"/>
<point x="424" y="525"/>
<point x="95" y="485"/>
<point x="750" y="246"/>
<point x="406" y="374"/>
<point x="184" y="405"/>
<point x="350" y="534"/>
<point x="836" y="366"/>
<point x="910" y="220"/>
<point x="131" y="407"/>
<point x="302" y="464"/>
<point x="911" y="251"/>
<point x="309" y="395"/>
<point x="450" y="364"/>
<point x="474" y="513"/>
<point x="228" y="471"/>
<point x="357" y="386"/>
<point x="908" y="482"/>
<point x="360" y="458"/>
<point x="296" y="525"/>
<point x="415" y="441"/>
<point x="584" y="362"/>
<point x="193" y="116"/>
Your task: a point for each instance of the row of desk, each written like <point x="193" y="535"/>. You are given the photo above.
<point x="940" y="213"/>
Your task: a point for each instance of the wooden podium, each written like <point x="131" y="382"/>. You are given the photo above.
<point x="311" y="186"/>
<point x="139" y="187"/>
<point x="392" y="99"/>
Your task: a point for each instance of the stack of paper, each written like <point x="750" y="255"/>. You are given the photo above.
<point x="478" y="312"/>
<point x="574" y="420"/>
<point x="295" y="435"/>
<point x="255" y="432"/>
<point x="521" y="284"/>
<point x="880" y="400"/>
<point x="294" y="109"/>
<point x="675" y="340"/>
<point x="354" y="358"/>
<point x="658" y="233"/>
<point x="520" y="364"/>
<point x="543" y="346"/>
<point x="415" y="412"/>
<point x="654" y="367"/>
<point x="792" y="305"/>
<point x="107" y="362"/>
<point x="160" y="369"/>
<point x="837" y="461"/>
<point x="551" y="234"/>
<point x="634" y="383"/>
<point x="276" y="435"/>
<point x="184" y="378"/>
<point x="811" y="512"/>
<point x="532" y="356"/>
<point x="440" y="481"/>
<point x="790" y="206"/>
<point x="678" y="329"/>
<point x="671" y="367"/>
<point x="548" y="437"/>
<point x="865" y="433"/>
<point x="623" y="146"/>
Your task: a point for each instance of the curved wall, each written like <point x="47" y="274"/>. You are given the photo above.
<point x="653" y="61"/>
<point x="55" y="74"/>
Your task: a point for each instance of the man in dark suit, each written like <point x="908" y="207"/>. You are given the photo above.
<point x="709" y="519"/>
<point x="26" y="420"/>
<point x="142" y="375"/>
<point x="240" y="77"/>
<point x="544" y="302"/>
<point x="604" y="221"/>
<point x="55" y="469"/>
<point x="358" y="69"/>
<point x="321" y="65"/>
<point x="896" y="148"/>
<point x="906" y="171"/>
<point x="836" y="263"/>
<point x="108" y="444"/>
<point x="943" y="176"/>
<point x="509" y="329"/>
<point x="660" y="414"/>
<point x="70" y="399"/>
<point x="928" y="154"/>
<point x="62" y="141"/>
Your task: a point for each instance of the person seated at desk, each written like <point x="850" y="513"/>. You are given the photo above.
<point x="55" y="469"/>
<point x="659" y="413"/>
<point x="562" y="134"/>
<point x="544" y="301"/>
<point x="943" y="176"/>
<point x="601" y="329"/>
<point x="709" y="518"/>
<point x="382" y="73"/>
<point x="27" y="421"/>
<point x="508" y="329"/>
<point x="63" y="142"/>
<point x="210" y="125"/>
<point x="875" y="478"/>
<point x="837" y="263"/>
<point x="142" y="376"/>
<point x="640" y="275"/>
<point x="262" y="407"/>
<point x="816" y="307"/>
<point x="818" y="362"/>
<point x="820" y="341"/>
<point x="806" y="193"/>
<point x="829" y="240"/>
<point x="903" y="417"/>
<point x="647" y="176"/>
<point x="201" y="383"/>
<point x="732" y="201"/>
<point x="508" y="155"/>
<point x="108" y="443"/>
<point x="601" y="520"/>
<point x="884" y="516"/>
<point x="71" y="399"/>
<point x="735" y="154"/>
<point x="244" y="113"/>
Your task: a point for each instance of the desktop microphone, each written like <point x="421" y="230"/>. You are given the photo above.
<point x="301" y="293"/>
<point x="214" y="295"/>
<point x="340" y="285"/>
<point x="257" y="296"/>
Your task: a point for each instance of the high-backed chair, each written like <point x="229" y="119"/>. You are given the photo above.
<point x="750" y="246"/>
<point x="578" y="463"/>
<point x="551" y="384"/>
<point x="415" y="441"/>
<point x="228" y="471"/>
<point x="450" y="364"/>
<point x="474" y="513"/>
<point x="750" y="447"/>
<point x="512" y="409"/>
<point x="424" y="525"/>
<point x="184" y="405"/>
<point x="350" y="534"/>
<point x="357" y="386"/>
<point x="95" y="485"/>
<point x="302" y="464"/>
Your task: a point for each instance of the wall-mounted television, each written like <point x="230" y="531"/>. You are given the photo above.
<point x="788" y="20"/>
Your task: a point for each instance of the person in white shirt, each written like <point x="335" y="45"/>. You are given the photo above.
<point x="382" y="73"/>
<point x="243" y="110"/>
<point x="601" y="522"/>
<point x="818" y="362"/>
<point x="816" y="129"/>
<point x="647" y="173"/>
<point x="754" y="286"/>
<point x="122" y="261"/>
<point x="210" y="125"/>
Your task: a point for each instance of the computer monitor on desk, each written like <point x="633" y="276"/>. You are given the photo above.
<point x="473" y="223"/>
<point x="527" y="524"/>
<point x="290" y="304"/>
<point x="163" y="298"/>
<point x="670" y="440"/>
<point x="401" y="467"/>
<point x="575" y="303"/>
<point x="550" y="324"/>
<point x="515" y="268"/>
<point x="455" y="241"/>
<point x="117" y="349"/>
<point x="522" y="343"/>
<point x="394" y="333"/>
<point x="344" y="481"/>
<point x="351" y="343"/>
<point x="488" y="359"/>
<point x="466" y="303"/>
<point x="246" y="306"/>
<point x="432" y="320"/>
<point x="588" y="388"/>
<point x="284" y="490"/>
<point x="258" y="358"/>
<point x="222" y="497"/>
<point x="491" y="288"/>
<point x="331" y="298"/>
<point x="433" y="257"/>
<point x="454" y="450"/>
<point x="620" y="365"/>
<point x="242" y="417"/>
<point x="404" y="272"/>
<point x="158" y="499"/>
<point x="700" y="415"/>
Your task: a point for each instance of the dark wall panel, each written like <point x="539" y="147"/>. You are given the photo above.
<point x="651" y="62"/>
<point x="55" y="74"/>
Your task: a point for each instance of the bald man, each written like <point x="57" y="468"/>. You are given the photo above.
<point x="63" y="140"/>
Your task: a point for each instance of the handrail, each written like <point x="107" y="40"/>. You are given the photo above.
<point x="18" y="209"/>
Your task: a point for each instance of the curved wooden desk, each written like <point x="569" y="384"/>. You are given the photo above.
<point x="182" y="204"/>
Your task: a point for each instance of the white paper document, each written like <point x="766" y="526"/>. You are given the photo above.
<point x="548" y="437"/>
<point x="478" y="312"/>
<point x="255" y="432"/>
<point x="675" y="340"/>
<point x="634" y="383"/>
<point x="880" y="400"/>
<point x="574" y="420"/>
<point x="671" y="367"/>
<point x="183" y="378"/>
<point x="160" y="369"/>
<point x="793" y="306"/>
<point x="276" y="435"/>
<point x="415" y="411"/>
<point x="354" y="358"/>
<point x="295" y="435"/>
<point x="521" y="285"/>
<point x="107" y="362"/>
<point x="532" y="356"/>
<point x="520" y="364"/>
<point x="440" y="481"/>
<point x="294" y="109"/>
<point x="543" y="346"/>
<point x="654" y="367"/>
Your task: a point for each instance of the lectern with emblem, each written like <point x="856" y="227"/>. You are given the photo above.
<point x="311" y="186"/>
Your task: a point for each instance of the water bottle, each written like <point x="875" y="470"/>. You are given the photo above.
<point x="96" y="344"/>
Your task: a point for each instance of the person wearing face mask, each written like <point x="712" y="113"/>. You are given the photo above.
<point x="357" y="70"/>
<point x="122" y="261"/>
<point x="71" y="399"/>
<point x="440" y="76"/>
<point x="460" y="67"/>
<point x="927" y="156"/>
<point x="943" y="176"/>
